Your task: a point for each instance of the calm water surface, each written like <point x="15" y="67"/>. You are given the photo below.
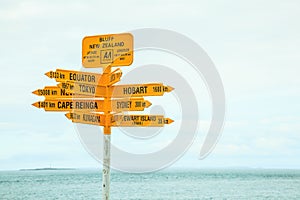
<point x="187" y="184"/>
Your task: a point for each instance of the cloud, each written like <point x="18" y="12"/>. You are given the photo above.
<point x="274" y="143"/>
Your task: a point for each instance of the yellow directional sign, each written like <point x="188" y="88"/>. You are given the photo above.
<point x="132" y="104"/>
<point x="91" y="105"/>
<point x="119" y="120"/>
<point x="61" y="75"/>
<point x="87" y="118"/>
<point x="117" y="91"/>
<point x="139" y="90"/>
<point x="141" y="120"/>
<point x="53" y="92"/>
<point x="105" y="50"/>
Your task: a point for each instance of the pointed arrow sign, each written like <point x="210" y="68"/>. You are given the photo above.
<point x="117" y="91"/>
<point x="61" y="75"/>
<point x="54" y="92"/>
<point x="118" y="105"/>
<point x="119" y="120"/>
<point x="87" y="118"/>
<point x="141" y="120"/>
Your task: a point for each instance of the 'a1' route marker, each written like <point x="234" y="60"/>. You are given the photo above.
<point x="92" y="98"/>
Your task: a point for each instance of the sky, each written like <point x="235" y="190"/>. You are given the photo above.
<point x="253" y="44"/>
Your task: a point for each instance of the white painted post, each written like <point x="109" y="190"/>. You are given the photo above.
<point x="106" y="167"/>
<point x="106" y="142"/>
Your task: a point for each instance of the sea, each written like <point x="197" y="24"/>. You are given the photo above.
<point x="168" y="184"/>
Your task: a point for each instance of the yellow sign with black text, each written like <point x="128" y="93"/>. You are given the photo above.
<point x="117" y="91"/>
<point x="107" y="50"/>
<point x="140" y="120"/>
<point x="87" y="118"/>
<point x="61" y="75"/>
<point x="92" y="105"/>
<point x="119" y="120"/>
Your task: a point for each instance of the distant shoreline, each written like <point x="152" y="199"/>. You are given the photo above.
<point x="165" y="170"/>
<point x="46" y="169"/>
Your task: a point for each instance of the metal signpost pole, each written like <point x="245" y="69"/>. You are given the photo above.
<point x="106" y="167"/>
<point x="106" y="140"/>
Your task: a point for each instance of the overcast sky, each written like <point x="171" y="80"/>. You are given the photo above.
<point x="254" y="45"/>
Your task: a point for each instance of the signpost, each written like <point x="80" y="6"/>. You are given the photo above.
<point x="87" y="118"/>
<point x="92" y="105"/>
<point x="119" y="120"/>
<point x="140" y="120"/>
<point x="61" y="75"/>
<point x="92" y="98"/>
<point x="53" y="92"/>
<point x="107" y="50"/>
<point x="117" y="91"/>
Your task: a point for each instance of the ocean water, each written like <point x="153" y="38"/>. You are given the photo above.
<point x="184" y="184"/>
